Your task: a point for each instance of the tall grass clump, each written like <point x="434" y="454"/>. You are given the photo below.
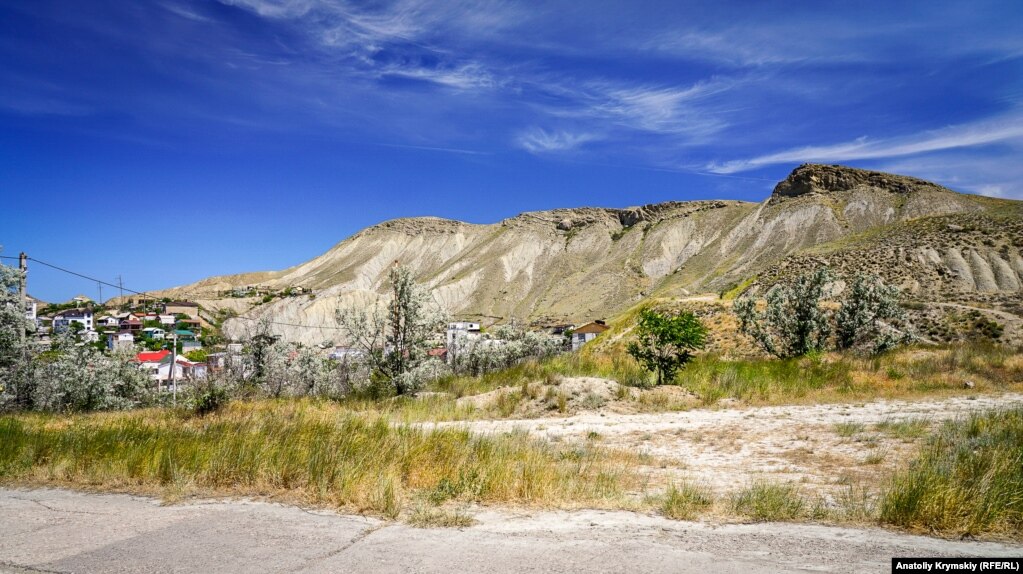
<point x="306" y="452"/>
<point x="967" y="480"/>
<point x="686" y="501"/>
<point x="763" y="501"/>
<point x="764" y="380"/>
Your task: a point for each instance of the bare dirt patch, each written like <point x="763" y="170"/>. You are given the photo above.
<point x="824" y="448"/>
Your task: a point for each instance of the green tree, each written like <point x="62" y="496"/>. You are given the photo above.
<point x="793" y="323"/>
<point x="868" y="316"/>
<point x="665" y="342"/>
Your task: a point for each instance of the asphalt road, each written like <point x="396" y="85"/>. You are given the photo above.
<point x="64" y="531"/>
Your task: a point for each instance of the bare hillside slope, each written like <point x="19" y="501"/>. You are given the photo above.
<point x="577" y="264"/>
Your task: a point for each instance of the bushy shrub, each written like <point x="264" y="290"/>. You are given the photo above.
<point x="78" y="377"/>
<point x="209" y="398"/>
<point x="868" y="317"/>
<point x="793" y="323"/>
<point x="503" y="347"/>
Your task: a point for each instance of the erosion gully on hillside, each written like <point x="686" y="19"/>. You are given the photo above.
<point x="825" y="448"/>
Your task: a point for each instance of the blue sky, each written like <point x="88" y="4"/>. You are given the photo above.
<point x="168" y="140"/>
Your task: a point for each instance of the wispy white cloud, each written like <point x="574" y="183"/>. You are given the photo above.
<point x="184" y="12"/>
<point x="997" y="174"/>
<point x="675" y="110"/>
<point x="728" y="46"/>
<point x="434" y="148"/>
<point x="686" y="114"/>
<point x="989" y="131"/>
<point x="540" y="141"/>
<point x="464" y="77"/>
<point x="275" y="8"/>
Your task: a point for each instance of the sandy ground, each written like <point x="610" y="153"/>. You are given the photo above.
<point x="825" y="448"/>
<point x="62" y="531"/>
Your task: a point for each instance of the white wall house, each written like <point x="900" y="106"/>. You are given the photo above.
<point x="122" y="340"/>
<point x="346" y="353"/>
<point x="184" y="370"/>
<point x="154" y="333"/>
<point x="460" y="331"/>
<point x="167" y="320"/>
<point x="107" y="321"/>
<point x="587" y="333"/>
<point x="62" y="321"/>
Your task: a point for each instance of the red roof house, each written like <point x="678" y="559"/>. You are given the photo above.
<point x="152" y="357"/>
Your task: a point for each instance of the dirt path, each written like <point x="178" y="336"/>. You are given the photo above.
<point x="62" y="532"/>
<point x="824" y="448"/>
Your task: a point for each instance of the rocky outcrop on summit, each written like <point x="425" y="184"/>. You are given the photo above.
<point x="570" y="265"/>
<point x="817" y="178"/>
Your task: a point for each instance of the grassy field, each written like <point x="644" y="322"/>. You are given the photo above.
<point x="967" y="478"/>
<point x="707" y="381"/>
<point x="308" y="453"/>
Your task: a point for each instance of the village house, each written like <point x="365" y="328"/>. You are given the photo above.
<point x="220" y="361"/>
<point x="184" y="370"/>
<point x="62" y="321"/>
<point x="43" y="325"/>
<point x="154" y="333"/>
<point x="167" y="320"/>
<point x="157" y="365"/>
<point x="32" y="308"/>
<point x="132" y="324"/>
<point x="107" y="321"/>
<point x="149" y="362"/>
<point x="461" y="331"/>
<point x="346" y="353"/>
<point x="587" y="333"/>
<point x="121" y="340"/>
<point x="192" y="324"/>
<point x="560" y="329"/>
<point x="81" y="300"/>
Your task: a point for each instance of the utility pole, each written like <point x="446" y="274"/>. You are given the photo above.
<point x="100" y="285"/>
<point x="174" y="366"/>
<point x="23" y="292"/>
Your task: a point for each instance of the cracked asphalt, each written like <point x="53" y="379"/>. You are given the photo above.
<point x="51" y="530"/>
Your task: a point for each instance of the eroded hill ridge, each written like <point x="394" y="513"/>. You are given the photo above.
<point x="576" y="264"/>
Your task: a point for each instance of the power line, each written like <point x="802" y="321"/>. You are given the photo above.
<point x="120" y="286"/>
<point x="83" y="276"/>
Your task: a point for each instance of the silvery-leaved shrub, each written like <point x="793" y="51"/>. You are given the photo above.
<point x="77" y="377"/>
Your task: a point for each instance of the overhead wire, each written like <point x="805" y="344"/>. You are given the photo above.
<point x="132" y="291"/>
